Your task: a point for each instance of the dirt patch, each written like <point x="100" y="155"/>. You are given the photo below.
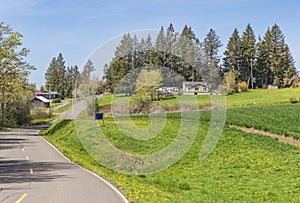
<point x="281" y="138"/>
<point x="135" y="109"/>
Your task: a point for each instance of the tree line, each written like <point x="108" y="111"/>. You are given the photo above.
<point x="261" y="62"/>
<point x="61" y="78"/>
<point x="257" y="62"/>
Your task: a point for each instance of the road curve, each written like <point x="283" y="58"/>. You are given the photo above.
<point x="33" y="171"/>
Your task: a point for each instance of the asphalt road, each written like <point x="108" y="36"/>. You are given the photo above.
<point x="33" y="171"/>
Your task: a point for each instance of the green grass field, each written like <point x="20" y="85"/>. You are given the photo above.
<point x="280" y="119"/>
<point x="250" y="98"/>
<point x="242" y="168"/>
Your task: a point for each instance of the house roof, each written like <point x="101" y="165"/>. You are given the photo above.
<point x="43" y="99"/>
<point x="47" y="92"/>
<point x="189" y="83"/>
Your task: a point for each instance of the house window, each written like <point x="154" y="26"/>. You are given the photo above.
<point x="189" y="88"/>
<point x="196" y="88"/>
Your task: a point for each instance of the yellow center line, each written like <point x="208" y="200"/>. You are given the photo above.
<point x="23" y="149"/>
<point x="31" y="171"/>
<point x="27" y="158"/>
<point x="21" y="198"/>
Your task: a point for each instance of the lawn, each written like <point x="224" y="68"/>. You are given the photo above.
<point x="280" y="119"/>
<point x="242" y="168"/>
<point x="250" y="98"/>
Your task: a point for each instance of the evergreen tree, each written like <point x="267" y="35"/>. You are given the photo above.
<point x="149" y="45"/>
<point x="211" y="45"/>
<point x="160" y="43"/>
<point x="248" y="53"/>
<point x="85" y="76"/>
<point x="125" y="47"/>
<point x="281" y="59"/>
<point x="171" y="37"/>
<point x="142" y="45"/>
<point x="72" y="74"/>
<point x="232" y="53"/>
<point x="188" y="48"/>
<point x="55" y="75"/>
<point x="264" y="47"/>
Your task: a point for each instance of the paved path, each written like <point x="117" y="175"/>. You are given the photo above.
<point x="33" y="171"/>
<point x="74" y="111"/>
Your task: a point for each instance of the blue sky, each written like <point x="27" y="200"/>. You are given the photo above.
<point x="76" y="28"/>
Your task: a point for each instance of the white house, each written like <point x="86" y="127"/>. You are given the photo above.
<point x="194" y="87"/>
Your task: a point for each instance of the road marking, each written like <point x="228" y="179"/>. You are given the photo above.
<point x="21" y="198"/>
<point x="90" y="172"/>
<point x="27" y="158"/>
<point x="23" y="149"/>
<point x="31" y="171"/>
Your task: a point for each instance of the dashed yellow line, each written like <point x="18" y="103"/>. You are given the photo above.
<point x="27" y="158"/>
<point x="31" y="171"/>
<point x="21" y="198"/>
<point x="23" y="149"/>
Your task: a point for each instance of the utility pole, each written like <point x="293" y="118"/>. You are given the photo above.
<point x="2" y="108"/>
<point x="49" y="89"/>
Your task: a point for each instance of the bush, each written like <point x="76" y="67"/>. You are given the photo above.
<point x="234" y="87"/>
<point x="242" y="87"/>
<point x="54" y="101"/>
<point x="40" y="113"/>
<point x="230" y="91"/>
<point x="293" y="100"/>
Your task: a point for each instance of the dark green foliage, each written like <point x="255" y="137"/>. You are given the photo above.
<point x="259" y="64"/>
<point x="211" y="45"/>
<point x="248" y="52"/>
<point x="232" y="54"/>
<point x="61" y="79"/>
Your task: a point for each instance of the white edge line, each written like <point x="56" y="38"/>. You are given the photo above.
<point x="99" y="177"/>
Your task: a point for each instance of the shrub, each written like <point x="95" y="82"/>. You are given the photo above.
<point x="242" y="87"/>
<point x="294" y="100"/>
<point x="39" y="113"/>
<point x="230" y="91"/>
<point x="57" y="100"/>
<point x="234" y="87"/>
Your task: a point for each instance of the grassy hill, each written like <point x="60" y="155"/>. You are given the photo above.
<point x="242" y="168"/>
